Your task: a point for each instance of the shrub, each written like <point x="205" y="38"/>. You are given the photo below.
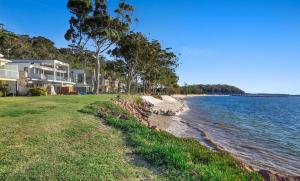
<point x="3" y="89"/>
<point x="37" y="92"/>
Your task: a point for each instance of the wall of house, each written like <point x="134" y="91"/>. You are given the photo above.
<point x="11" y="87"/>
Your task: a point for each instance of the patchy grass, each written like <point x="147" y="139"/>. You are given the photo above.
<point x="48" y="138"/>
<point x="131" y="98"/>
<point x="179" y="159"/>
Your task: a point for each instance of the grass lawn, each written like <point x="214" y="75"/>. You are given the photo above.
<point x="48" y="138"/>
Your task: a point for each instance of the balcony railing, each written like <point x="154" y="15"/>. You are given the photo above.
<point x="38" y="76"/>
<point x="9" y="74"/>
<point x="57" y="78"/>
<point x="48" y="77"/>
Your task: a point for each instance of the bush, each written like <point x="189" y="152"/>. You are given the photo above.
<point x="37" y="92"/>
<point x="3" y="89"/>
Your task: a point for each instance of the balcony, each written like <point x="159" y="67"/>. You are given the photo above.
<point x="57" y="78"/>
<point x="7" y="74"/>
<point x="49" y="78"/>
<point x="38" y="76"/>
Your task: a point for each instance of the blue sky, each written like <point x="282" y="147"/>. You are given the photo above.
<point x="252" y="44"/>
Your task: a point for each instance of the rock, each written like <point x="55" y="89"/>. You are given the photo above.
<point x="170" y="113"/>
<point x="269" y="176"/>
<point x="155" y="128"/>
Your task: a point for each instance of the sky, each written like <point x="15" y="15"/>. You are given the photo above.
<point x="251" y="44"/>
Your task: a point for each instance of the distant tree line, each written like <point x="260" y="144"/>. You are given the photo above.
<point x="211" y="89"/>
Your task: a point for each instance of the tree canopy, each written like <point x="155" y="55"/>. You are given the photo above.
<point x="92" y="27"/>
<point x="146" y="63"/>
<point x="15" y="46"/>
<point x="211" y="89"/>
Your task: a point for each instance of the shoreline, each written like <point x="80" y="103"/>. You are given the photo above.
<point x="181" y="128"/>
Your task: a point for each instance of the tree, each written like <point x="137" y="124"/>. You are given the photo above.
<point x="43" y="48"/>
<point x="130" y="51"/>
<point x="158" y="68"/>
<point x="91" y="23"/>
<point x="15" y="46"/>
<point x="211" y="89"/>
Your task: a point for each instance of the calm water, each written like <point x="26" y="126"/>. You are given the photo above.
<point x="261" y="131"/>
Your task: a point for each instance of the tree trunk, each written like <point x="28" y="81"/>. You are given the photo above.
<point x="129" y="81"/>
<point x="129" y="86"/>
<point x="97" y="78"/>
<point x="144" y="87"/>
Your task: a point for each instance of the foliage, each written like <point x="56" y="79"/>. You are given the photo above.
<point x="211" y="89"/>
<point x="23" y="47"/>
<point x="141" y="59"/>
<point x="158" y="71"/>
<point x="15" y="46"/>
<point x="3" y="89"/>
<point x="179" y="159"/>
<point x="37" y="92"/>
<point x="137" y="58"/>
<point x="79" y="60"/>
<point x="130" y="50"/>
<point x="91" y="26"/>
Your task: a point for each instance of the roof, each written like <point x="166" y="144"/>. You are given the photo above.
<point x="3" y="59"/>
<point x="37" y="61"/>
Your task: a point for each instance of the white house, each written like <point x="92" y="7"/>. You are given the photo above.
<point x="42" y="73"/>
<point x="8" y="75"/>
<point x="109" y="84"/>
<point x="84" y="80"/>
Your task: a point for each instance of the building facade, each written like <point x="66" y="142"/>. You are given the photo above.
<point x="9" y="75"/>
<point x="52" y="75"/>
<point x="55" y="76"/>
<point x="83" y="79"/>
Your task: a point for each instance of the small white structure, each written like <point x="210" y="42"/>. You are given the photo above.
<point x="9" y="75"/>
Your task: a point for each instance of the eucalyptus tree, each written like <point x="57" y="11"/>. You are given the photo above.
<point x="158" y="67"/>
<point x="130" y="50"/>
<point x="92" y="27"/>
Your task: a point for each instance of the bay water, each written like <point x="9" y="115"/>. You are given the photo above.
<point x="263" y="132"/>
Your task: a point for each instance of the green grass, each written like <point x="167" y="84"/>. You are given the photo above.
<point x="63" y="138"/>
<point x="48" y="138"/>
<point x="179" y="159"/>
